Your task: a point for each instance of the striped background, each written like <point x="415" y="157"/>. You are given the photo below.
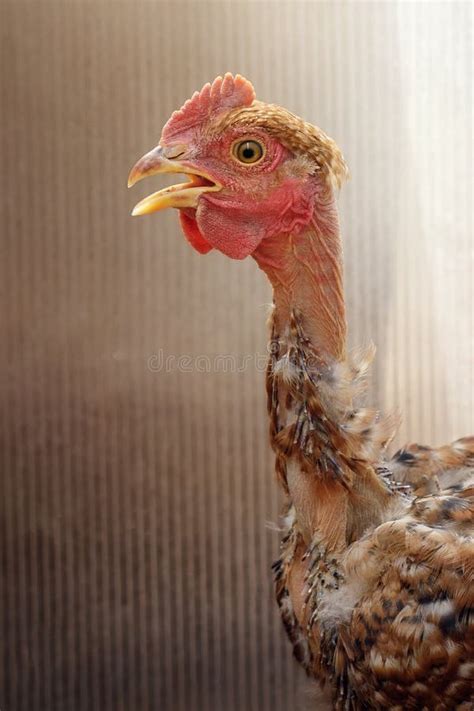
<point x="135" y="550"/>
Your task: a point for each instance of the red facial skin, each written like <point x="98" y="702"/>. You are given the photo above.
<point x="257" y="201"/>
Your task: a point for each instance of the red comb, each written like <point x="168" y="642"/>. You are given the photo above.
<point x="224" y="94"/>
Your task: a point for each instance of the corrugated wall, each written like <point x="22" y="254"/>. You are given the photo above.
<point x="134" y="547"/>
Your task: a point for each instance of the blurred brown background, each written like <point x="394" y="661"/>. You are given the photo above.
<point x="135" y="549"/>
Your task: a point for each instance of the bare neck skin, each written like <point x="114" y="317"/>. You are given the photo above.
<point x="306" y="274"/>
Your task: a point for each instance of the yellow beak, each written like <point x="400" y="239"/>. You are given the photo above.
<point x="179" y="196"/>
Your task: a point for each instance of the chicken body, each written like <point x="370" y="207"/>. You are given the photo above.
<point x="375" y="577"/>
<point x="384" y="617"/>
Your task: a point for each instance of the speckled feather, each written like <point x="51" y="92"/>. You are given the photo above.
<point x="388" y="616"/>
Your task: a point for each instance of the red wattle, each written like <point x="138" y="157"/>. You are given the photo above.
<point x="193" y="234"/>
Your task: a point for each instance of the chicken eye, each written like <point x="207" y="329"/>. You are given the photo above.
<point x="248" y="151"/>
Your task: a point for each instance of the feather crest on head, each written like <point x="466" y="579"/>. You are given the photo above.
<point x="223" y="94"/>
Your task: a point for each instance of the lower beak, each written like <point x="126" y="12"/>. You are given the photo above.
<point x="179" y="196"/>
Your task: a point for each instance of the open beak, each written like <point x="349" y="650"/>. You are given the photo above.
<point x="181" y="195"/>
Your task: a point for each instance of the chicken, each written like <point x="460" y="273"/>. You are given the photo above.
<point x="374" y="579"/>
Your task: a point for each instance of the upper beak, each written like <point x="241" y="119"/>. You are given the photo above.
<point x="179" y="196"/>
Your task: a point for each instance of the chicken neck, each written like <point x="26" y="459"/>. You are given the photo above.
<point x="305" y="270"/>
<point x="335" y="496"/>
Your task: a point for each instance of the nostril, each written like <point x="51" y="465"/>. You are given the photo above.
<point x="172" y="152"/>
